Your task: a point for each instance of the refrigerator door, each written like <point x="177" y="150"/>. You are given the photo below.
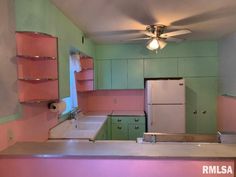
<point x="165" y="92"/>
<point x="166" y="118"/>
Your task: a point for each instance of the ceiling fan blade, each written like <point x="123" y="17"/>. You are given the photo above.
<point x="113" y="33"/>
<point x="136" y="39"/>
<point x="175" y="33"/>
<point x="222" y="12"/>
<point x="147" y="33"/>
<point x="131" y="9"/>
<point x="172" y="39"/>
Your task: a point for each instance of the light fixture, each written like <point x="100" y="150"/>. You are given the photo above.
<point x="153" y="44"/>
<point x="162" y="44"/>
<point x="156" y="43"/>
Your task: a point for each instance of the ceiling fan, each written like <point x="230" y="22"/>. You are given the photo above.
<point x="159" y="35"/>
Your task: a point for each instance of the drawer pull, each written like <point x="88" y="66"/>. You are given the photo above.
<point x="119" y="127"/>
<point x="136" y="119"/>
<point x="119" y="120"/>
<point x="204" y="112"/>
<point x="136" y="127"/>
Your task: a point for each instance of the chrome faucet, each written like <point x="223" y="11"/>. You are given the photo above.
<point x="74" y="112"/>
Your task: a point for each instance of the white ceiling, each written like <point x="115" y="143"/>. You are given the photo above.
<point x="115" y="20"/>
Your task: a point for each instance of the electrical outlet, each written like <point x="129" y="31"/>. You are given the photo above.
<point x="10" y="135"/>
<point x="114" y="100"/>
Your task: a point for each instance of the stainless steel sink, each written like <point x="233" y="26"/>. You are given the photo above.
<point x="87" y="125"/>
<point x="82" y="128"/>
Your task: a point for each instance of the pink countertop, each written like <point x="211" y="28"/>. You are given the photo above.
<point x="128" y="113"/>
<point x="98" y="113"/>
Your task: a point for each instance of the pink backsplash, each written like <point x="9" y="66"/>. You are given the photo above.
<point x="34" y="125"/>
<point x="110" y="100"/>
<point x="226" y="114"/>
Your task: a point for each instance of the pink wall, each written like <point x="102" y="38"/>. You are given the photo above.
<point x="107" y="100"/>
<point x="107" y="167"/>
<point x="33" y="125"/>
<point x="227" y="114"/>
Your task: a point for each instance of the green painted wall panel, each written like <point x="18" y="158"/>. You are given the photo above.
<point x="138" y="51"/>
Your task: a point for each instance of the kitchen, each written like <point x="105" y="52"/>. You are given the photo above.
<point x="176" y="60"/>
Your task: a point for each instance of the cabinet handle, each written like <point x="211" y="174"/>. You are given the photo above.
<point x="136" y="127"/>
<point x="119" y="120"/>
<point x="119" y="127"/>
<point x="136" y="119"/>
<point x="195" y="112"/>
<point x="204" y="112"/>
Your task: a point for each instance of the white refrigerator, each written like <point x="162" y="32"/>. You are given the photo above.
<point x="165" y="105"/>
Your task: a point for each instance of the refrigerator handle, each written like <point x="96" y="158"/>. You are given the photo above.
<point x="149" y="92"/>
<point x="150" y="115"/>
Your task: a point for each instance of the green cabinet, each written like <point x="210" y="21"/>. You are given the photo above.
<point x="119" y="74"/>
<point x="103" y="72"/>
<point x="201" y="95"/>
<point x="164" y="67"/>
<point x="120" y="131"/>
<point x="198" y="66"/>
<point x="104" y="132"/>
<point x="127" y="127"/>
<point x="135" y="74"/>
<point x="136" y="130"/>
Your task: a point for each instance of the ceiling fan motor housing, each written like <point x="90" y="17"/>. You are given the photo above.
<point x="156" y="29"/>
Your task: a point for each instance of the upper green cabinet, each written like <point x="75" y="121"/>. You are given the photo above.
<point x="103" y="71"/>
<point x="135" y="74"/>
<point x="119" y="74"/>
<point x="164" y="67"/>
<point x="198" y="66"/>
<point x="130" y="73"/>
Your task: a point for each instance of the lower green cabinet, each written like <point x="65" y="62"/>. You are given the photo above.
<point x="136" y="130"/>
<point x="103" y="134"/>
<point x="120" y="131"/>
<point x="127" y="128"/>
<point x="122" y="128"/>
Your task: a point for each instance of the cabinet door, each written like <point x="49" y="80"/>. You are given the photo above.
<point x="201" y="94"/>
<point x="136" y="130"/>
<point x="119" y="74"/>
<point x="191" y="105"/>
<point x="160" y="68"/>
<point x="103" y="74"/>
<point x="135" y="74"/>
<point x="207" y="105"/>
<point x="120" y="132"/>
<point x="198" y="66"/>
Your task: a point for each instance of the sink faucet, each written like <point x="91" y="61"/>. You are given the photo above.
<point x="74" y="112"/>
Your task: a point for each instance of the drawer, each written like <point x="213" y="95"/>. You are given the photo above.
<point x="119" y="119"/>
<point x="128" y="119"/>
<point x="137" y="120"/>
